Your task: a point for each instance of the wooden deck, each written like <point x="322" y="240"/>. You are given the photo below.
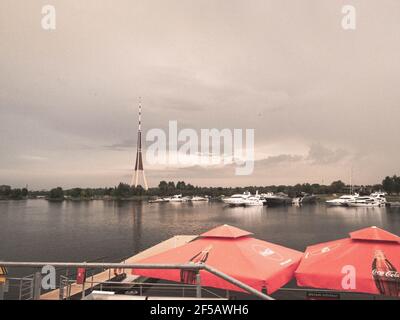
<point x="101" y="277"/>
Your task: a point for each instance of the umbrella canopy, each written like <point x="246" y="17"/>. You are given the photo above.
<point x="232" y="251"/>
<point x="367" y="262"/>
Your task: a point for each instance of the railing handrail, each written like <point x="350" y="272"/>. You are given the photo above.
<point x="187" y="266"/>
<point x="88" y="265"/>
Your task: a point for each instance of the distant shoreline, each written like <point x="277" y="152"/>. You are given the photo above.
<point x="126" y="192"/>
<point x="320" y="198"/>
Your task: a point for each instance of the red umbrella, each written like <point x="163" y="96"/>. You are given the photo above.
<point x="234" y="252"/>
<point x="366" y="262"/>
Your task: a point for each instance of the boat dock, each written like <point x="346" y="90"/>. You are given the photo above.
<point x="103" y="277"/>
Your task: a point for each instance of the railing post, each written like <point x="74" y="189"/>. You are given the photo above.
<point x="2" y="289"/>
<point x="37" y="285"/>
<point x="198" y="284"/>
<point x="83" y="289"/>
<point x="61" y="290"/>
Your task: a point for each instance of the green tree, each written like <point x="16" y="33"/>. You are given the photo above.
<point x="396" y="182"/>
<point x="75" y="192"/>
<point x="388" y="184"/>
<point x="56" y="194"/>
<point x="5" y="191"/>
<point x="171" y="185"/>
<point x="337" y="186"/>
<point x="163" y="187"/>
<point x="138" y="191"/>
<point x="123" y="191"/>
<point x="16" y="194"/>
<point x="181" y="185"/>
<point x="24" y="192"/>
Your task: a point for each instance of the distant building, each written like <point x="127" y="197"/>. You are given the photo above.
<point x="4" y="188"/>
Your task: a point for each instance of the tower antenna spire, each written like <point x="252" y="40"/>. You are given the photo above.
<point x="139" y="158"/>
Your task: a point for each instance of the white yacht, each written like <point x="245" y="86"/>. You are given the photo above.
<point x="177" y="198"/>
<point x="197" y="198"/>
<point x="237" y="199"/>
<point x="296" y="201"/>
<point x="365" y="201"/>
<point x="380" y="196"/>
<point x="343" y="200"/>
<point x="255" y="200"/>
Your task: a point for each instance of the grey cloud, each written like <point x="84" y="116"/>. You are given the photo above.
<point x="279" y="159"/>
<point x="125" y="144"/>
<point x="319" y="154"/>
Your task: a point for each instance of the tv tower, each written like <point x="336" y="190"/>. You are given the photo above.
<point x="139" y="158"/>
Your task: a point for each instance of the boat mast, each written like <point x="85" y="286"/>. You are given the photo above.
<point x="351" y="179"/>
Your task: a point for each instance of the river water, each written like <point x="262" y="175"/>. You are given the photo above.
<point x="37" y="230"/>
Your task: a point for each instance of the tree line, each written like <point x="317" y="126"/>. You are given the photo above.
<point x="391" y="184"/>
<point x="6" y="192"/>
<point x="168" y="188"/>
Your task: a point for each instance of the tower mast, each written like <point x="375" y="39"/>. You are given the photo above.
<point x="139" y="158"/>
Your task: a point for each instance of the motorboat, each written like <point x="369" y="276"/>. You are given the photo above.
<point x="380" y="196"/>
<point x="341" y="201"/>
<point x="255" y="200"/>
<point x="197" y="198"/>
<point x="365" y="201"/>
<point x="305" y="198"/>
<point x="296" y="201"/>
<point x="277" y="199"/>
<point x="177" y="198"/>
<point x="158" y="200"/>
<point x="237" y="199"/>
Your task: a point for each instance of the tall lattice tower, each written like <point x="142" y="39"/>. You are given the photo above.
<point x="139" y="158"/>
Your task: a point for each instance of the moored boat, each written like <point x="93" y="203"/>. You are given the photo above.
<point x="365" y="201"/>
<point x="277" y="199"/>
<point x="158" y="200"/>
<point x="198" y="198"/>
<point x="177" y="198"/>
<point x="380" y="197"/>
<point x="343" y="200"/>
<point x="236" y="199"/>
<point x="253" y="201"/>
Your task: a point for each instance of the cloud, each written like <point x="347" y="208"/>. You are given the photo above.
<point x="32" y="158"/>
<point x="279" y="160"/>
<point x="226" y="171"/>
<point x="320" y="155"/>
<point x="125" y="144"/>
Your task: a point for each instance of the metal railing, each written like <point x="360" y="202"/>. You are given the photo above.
<point x="90" y="265"/>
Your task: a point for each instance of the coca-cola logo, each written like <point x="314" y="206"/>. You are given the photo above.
<point x="387" y="274"/>
<point x="267" y="253"/>
<point x="323" y="250"/>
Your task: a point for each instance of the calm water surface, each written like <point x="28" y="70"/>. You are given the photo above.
<point x="37" y="230"/>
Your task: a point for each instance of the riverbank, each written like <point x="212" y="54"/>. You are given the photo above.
<point x="321" y="198"/>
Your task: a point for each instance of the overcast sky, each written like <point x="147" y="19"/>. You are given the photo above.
<point x="321" y="99"/>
